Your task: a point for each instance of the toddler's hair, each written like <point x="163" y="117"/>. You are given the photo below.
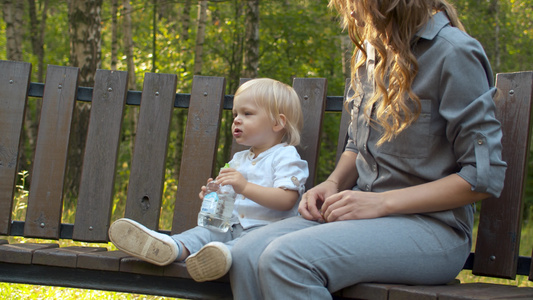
<point x="276" y="98"/>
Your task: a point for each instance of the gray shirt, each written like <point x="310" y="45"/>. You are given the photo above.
<point x="456" y="132"/>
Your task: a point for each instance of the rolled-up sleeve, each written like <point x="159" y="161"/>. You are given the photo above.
<point x="468" y="106"/>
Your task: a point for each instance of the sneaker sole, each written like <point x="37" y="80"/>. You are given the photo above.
<point x="210" y="263"/>
<point x="136" y="240"/>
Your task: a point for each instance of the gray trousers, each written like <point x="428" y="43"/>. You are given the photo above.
<point x="300" y="259"/>
<point x="197" y="237"/>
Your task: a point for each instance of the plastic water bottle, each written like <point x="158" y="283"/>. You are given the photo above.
<point x="217" y="207"/>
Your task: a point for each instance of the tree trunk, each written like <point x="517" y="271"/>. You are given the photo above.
<point x="200" y="36"/>
<point x="181" y="117"/>
<point x="154" y="36"/>
<point x="13" y="13"/>
<point x="85" y="53"/>
<point x="185" y="21"/>
<point x="114" y="34"/>
<point x="251" y="40"/>
<point x="128" y="44"/>
<point x="132" y="112"/>
<point x="37" y="32"/>
<point x="497" y="54"/>
<point x="347" y="52"/>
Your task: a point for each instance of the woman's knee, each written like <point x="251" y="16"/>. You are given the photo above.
<point x="279" y="257"/>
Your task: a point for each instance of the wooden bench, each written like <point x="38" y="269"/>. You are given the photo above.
<point x="46" y="263"/>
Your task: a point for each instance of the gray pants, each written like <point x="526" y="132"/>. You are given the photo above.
<point x="300" y="259"/>
<point x="197" y="237"/>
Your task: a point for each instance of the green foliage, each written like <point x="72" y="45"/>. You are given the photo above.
<point x="504" y="28"/>
<point x="3" y="40"/>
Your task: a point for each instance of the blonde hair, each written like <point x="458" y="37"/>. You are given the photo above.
<point x="390" y="27"/>
<point x="276" y="98"/>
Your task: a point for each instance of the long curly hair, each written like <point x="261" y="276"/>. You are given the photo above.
<point x="390" y="27"/>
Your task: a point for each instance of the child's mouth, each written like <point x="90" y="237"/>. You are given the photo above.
<point x="237" y="132"/>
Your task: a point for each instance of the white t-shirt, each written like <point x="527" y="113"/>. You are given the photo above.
<point x="280" y="167"/>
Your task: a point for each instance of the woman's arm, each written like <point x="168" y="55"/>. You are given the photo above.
<point x="345" y="173"/>
<point x="342" y="178"/>
<point x="446" y="193"/>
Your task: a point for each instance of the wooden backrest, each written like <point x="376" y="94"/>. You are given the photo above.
<point x="95" y="200"/>
<point x="312" y="92"/>
<point x="14" y="84"/>
<point x="498" y="238"/>
<point x="500" y="219"/>
<point x="43" y="215"/>
<point x="147" y="172"/>
<point x="108" y="99"/>
<point x="199" y="148"/>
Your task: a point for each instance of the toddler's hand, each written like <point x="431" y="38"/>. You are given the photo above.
<point x="232" y="177"/>
<point x="203" y="189"/>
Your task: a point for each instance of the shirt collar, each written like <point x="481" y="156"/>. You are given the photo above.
<point x="435" y="24"/>
<point x="266" y="152"/>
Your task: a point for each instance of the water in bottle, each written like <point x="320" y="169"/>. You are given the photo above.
<point x="217" y="207"/>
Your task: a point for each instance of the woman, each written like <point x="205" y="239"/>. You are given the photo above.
<point x="424" y="145"/>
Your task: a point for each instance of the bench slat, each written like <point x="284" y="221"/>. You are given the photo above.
<point x="101" y="260"/>
<point x="374" y="291"/>
<point x="500" y="221"/>
<point x="62" y="257"/>
<point x="346" y="119"/>
<point x="460" y="292"/>
<point x="95" y="199"/>
<point x="145" y="189"/>
<point x="22" y="253"/>
<point x="14" y="83"/>
<point x="312" y="92"/>
<point x="45" y="200"/>
<point x="199" y="148"/>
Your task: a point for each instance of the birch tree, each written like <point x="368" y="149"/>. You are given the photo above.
<point x="200" y="37"/>
<point x="114" y="34"/>
<point x="13" y="14"/>
<point x="128" y="43"/>
<point x="37" y="31"/>
<point x="251" y="40"/>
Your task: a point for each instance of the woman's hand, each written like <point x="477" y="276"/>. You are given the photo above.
<point x="311" y="204"/>
<point x="352" y="205"/>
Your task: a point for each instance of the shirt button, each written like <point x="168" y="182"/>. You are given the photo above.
<point x="364" y="147"/>
<point x="253" y="163"/>
<point x="242" y="216"/>
<point x="480" y="142"/>
<point x="367" y="187"/>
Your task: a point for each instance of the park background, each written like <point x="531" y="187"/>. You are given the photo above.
<point x="281" y="39"/>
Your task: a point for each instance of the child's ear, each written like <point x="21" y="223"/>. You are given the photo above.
<point x="281" y="123"/>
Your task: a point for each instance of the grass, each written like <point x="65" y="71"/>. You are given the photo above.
<point x="25" y="291"/>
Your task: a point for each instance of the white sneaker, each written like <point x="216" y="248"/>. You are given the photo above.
<point x="211" y="262"/>
<point x="137" y="240"/>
